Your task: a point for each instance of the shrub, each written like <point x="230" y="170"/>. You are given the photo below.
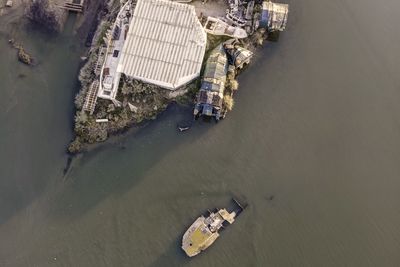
<point x="228" y="102"/>
<point x="234" y="85"/>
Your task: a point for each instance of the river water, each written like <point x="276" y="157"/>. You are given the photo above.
<point x="312" y="145"/>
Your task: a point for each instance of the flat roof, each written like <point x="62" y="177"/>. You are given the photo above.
<point x="165" y="44"/>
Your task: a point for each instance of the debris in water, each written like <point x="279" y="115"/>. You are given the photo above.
<point x="182" y="129"/>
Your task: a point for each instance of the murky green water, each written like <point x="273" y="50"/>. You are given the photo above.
<point x="316" y="125"/>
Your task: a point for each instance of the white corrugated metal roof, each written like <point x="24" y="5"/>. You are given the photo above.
<point x="165" y="44"/>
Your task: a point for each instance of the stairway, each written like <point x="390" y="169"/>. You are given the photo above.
<point x="91" y="97"/>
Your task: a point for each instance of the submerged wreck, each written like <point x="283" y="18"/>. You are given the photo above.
<point x="210" y="97"/>
<point x="205" y="230"/>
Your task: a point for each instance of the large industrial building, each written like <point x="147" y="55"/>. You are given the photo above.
<point x="165" y="44"/>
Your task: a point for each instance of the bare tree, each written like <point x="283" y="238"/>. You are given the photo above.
<point x="39" y="13"/>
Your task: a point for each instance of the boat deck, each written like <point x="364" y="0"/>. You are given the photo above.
<point x="204" y="231"/>
<point x="109" y="77"/>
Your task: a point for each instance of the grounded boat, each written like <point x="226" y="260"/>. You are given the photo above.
<point x="214" y="98"/>
<point x="204" y="231"/>
<point x="109" y="77"/>
<point x="210" y="96"/>
<point x="217" y="26"/>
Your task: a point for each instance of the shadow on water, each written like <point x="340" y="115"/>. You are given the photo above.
<point x="173" y="256"/>
<point x="28" y="128"/>
<point x="121" y="163"/>
<point x="83" y="186"/>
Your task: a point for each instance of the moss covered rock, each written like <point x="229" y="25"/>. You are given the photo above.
<point x="75" y="146"/>
<point x="24" y="57"/>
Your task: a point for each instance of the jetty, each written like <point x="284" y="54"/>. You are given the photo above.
<point x="205" y="230"/>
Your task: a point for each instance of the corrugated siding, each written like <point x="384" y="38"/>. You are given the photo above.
<point x="165" y="43"/>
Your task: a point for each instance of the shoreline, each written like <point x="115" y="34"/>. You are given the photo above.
<point x="140" y="101"/>
<point x="150" y="100"/>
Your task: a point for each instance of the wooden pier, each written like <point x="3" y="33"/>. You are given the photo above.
<point x="74" y="6"/>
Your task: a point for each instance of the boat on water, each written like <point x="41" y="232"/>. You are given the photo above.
<point x="109" y="77"/>
<point x="204" y="231"/>
<point x="217" y="26"/>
